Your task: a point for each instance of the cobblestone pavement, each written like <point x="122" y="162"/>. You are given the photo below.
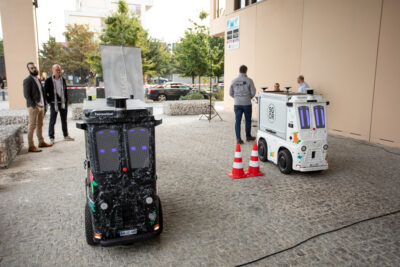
<point x="210" y="219"/>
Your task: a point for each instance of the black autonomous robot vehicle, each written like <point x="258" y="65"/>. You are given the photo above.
<point x="122" y="205"/>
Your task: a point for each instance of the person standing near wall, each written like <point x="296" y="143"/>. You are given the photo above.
<point x="302" y="84"/>
<point x="242" y="90"/>
<point x="35" y="102"/>
<point x="277" y="87"/>
<point x="56" y="94"/>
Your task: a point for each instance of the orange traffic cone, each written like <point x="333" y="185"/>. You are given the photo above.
<point x="237" y="169"/>
<point x="254" y="168"/>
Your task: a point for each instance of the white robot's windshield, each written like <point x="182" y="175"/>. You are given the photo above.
<point x="304" y="117"/>
<point x="319" y="116"/>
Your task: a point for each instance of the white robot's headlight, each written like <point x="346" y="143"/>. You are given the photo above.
<point x="303" y="148"/>
<point x="325" y="147"/>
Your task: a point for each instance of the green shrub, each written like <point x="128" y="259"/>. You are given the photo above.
<point x="220" y="94"/>
<point x="192" y="95"/>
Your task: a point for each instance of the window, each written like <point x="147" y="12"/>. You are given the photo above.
<point x="238" y="4"/>
<point x="137" y="9"/>
<point x="139" y="142"/>
<point x="319" y="116"/>
<point x="304" y="113"/>
<point x="220" y="8"/>
<point x="107" y="149"/>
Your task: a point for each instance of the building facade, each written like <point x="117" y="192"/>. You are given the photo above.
<point x="20" y="45"/>
<point x="92" y="12"/>
<point x="348" y="50"/>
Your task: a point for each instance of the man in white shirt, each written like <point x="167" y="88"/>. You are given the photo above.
<point x="56" y="94"/>
<point x="302" y="84"/>
<point x="36" y="102"/>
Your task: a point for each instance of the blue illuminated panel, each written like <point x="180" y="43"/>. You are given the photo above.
<point x="107" y="149"/>
<point x="304" y="113"/>
<point x="319" y="113"/>
<point x="138" y="141"/>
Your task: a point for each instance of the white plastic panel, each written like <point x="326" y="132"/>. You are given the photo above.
<point x="273" y="115"/>
<point x="122" y="71"/>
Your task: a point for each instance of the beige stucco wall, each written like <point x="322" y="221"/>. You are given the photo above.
<point x="339" y="59"/>
<point x="385" y="128"/>
<point x="244" y="55"/>
<point x="348" y="50"/>
<point x="19" y="45"/>
<point x="278" y="42"/>
<point x="217" y="25"/>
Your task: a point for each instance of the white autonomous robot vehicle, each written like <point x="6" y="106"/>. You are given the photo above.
<point x="292" y="130"/>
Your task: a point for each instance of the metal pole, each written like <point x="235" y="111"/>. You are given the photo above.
<point x="209" y="118"/>
<point x="37" y="40"/>
<point x="210" y="55"/>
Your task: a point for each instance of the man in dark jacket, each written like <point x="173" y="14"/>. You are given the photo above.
<point x="56" y="95"/>
<point x="36" y="103"/>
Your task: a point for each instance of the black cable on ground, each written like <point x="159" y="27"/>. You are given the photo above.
<point x="318" y="235"/>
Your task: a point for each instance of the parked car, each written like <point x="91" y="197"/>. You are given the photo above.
<point x="168" y="91"/>
<point x="159" y="80"/>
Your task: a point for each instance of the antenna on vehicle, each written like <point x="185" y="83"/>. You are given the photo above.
<point x="287" y="89"/>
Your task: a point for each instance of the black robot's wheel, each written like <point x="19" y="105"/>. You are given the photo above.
<point x="285" y="161"/>
<point x="160" y="220"/>
<point x="262" y="150"/>
<point x="89" y="227"/>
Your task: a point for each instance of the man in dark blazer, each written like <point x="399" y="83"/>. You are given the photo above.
<point x="36" y="103"/>
<point x="57" y="97"/>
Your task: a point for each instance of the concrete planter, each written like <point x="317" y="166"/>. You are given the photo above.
<point x="77" y="111"/>
<point x="187" y="107"/>
<point x="11" y="143"/>
<point x="13" y="117"/>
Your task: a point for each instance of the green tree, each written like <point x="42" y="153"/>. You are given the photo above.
<point x="94" y="60"/>
<point x="216" y="44"/>
<point x="191" y="53"/>
<point x="198" y="53"/>
<point x="160" y="56"/>
<point x="80" y="44"/>
<point x="123" y="28"/>
<point x="51" y="53"/>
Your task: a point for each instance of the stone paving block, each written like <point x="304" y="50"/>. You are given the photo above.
<point x="15" y="116"/>
<point x="210" y="219"/>
<point x="11" y="143"/>
<point x="187" y="107"/>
